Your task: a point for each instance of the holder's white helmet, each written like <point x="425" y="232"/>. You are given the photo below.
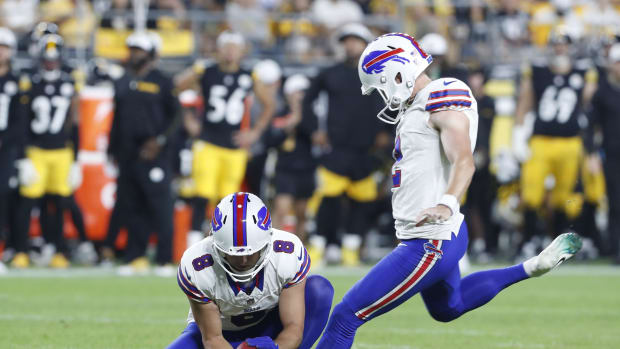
<point x="382" y="61"/>
<point x="241" y="226"/>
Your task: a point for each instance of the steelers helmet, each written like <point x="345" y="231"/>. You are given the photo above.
<point x="50" y="47"/>
<point x="559" y="35"/>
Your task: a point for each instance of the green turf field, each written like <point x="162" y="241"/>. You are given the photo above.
<point x="577" y="306"/>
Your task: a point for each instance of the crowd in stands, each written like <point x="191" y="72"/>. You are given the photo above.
<point x="485" y="43"/>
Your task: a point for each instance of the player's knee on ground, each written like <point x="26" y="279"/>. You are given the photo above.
<point x="319" y="294"/>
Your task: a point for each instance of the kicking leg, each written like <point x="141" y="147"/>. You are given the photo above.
<point x="409" y="268"/>
<point x="452" y="297"/>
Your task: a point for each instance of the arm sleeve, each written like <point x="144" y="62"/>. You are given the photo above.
<point x="171" y="106"/>
<point x="593" y="113"/>
<point x="309" y="122"/>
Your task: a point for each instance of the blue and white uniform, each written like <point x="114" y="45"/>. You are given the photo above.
<point x="426" y="259"/>
<point x="250" y="310"/>
<point x="242" y="306"/>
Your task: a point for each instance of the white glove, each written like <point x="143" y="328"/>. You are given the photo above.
<point x="27" y="173"/>
<point x="507" y="166"/>
<point x="520" y="147"/>
<point x="75" y="176"/>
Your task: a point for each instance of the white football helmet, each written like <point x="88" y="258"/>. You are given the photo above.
<point x="382" y="61"/>
<point x="241" y="226"/>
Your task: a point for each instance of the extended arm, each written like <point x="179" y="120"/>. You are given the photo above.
<point x="453" y="127"/>
<point x="292" y="312"/>
<point x="266" y="95"/>
<point x="207" y="317"/>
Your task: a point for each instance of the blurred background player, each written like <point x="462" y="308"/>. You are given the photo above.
<point x="247" y="282"/>
<point x="145" y="110"/>
<point x="48" y="167"/>
<point x="12" y="125"/>
<point x="346" y="137"/>
<point x="295" y="167"/>
<point x="267" y="76"/>
<point x="556" y="92"/>
<point x="481" y="193"/>
<point x="220" y="155"/>
<point x="603" y="116"/>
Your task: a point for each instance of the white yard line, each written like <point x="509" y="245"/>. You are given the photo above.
<point x="87" y="319"/>
<point x="357" y="272"/>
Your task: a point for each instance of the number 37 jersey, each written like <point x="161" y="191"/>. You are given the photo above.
<point x="224" y="97"/>
<point x="49" y="107"/>
<point x="243" y="305"/>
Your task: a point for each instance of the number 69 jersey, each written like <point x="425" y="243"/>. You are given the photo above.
<point x="243" y="305"/>
<point x="421" y="169"/>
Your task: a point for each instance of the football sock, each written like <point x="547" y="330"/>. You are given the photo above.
<point x="341" y="328"/>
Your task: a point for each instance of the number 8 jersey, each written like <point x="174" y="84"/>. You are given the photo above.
<point x="224" y="97"/>
<point x="558" y="99"/>
<point x="243" y="305"/>
<point x="50" y="110"/>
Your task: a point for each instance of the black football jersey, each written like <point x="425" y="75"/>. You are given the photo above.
<point x="49" y="110"/>
<point x="557" y="101"/>
<point x="225" y="104"/>
<point x="11" y="110"/>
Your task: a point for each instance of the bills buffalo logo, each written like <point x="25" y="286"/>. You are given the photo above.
<point x="216" y="221"/>
<point x="374" y="62"/>
<point x="264" y="219"/>
<point x="430" y="248"/>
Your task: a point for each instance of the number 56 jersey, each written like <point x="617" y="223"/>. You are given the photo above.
<point x="243" y="305"/>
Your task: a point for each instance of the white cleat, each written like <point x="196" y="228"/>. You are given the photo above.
<point x="561" y="248"/>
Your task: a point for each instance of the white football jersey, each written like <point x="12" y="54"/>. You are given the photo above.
<point x="421" y="171"/>
<point x="243" y="305"/>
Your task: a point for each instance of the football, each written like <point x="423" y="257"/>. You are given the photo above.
<point x="245" y="345"/>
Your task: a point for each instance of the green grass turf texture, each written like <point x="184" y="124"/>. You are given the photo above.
<point x="574" y="307"/>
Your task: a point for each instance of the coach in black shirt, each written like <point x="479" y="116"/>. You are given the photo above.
<point x="144" y="114"/>
<point x="350" y="132"/>
<point x="604" y="116"/>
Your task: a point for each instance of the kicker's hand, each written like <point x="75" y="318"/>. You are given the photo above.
<point x="433" y="215"/>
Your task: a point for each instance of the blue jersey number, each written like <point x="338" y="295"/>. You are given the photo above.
<point x="283" y="246"/>
<point x="202" y="262"/>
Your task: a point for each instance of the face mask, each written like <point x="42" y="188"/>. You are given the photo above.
<point x="138" y="63"/>
<point x="561" y="62"/>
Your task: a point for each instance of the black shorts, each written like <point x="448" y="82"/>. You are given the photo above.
<point x="299" y="185"/>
